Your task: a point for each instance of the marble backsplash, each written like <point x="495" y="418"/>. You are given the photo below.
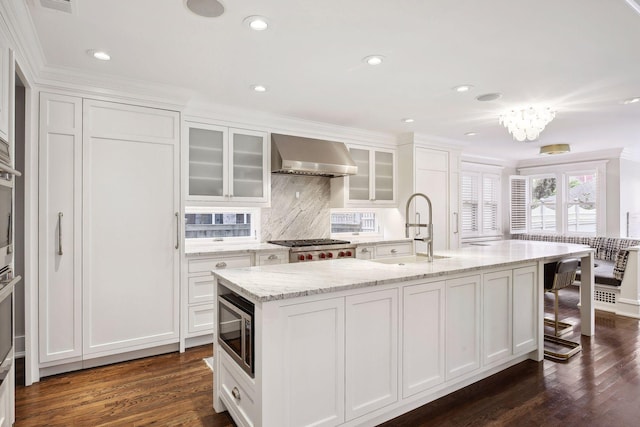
<point x="299" y="208"/>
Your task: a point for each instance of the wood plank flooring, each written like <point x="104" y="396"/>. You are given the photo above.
<point x="598" y="387"/>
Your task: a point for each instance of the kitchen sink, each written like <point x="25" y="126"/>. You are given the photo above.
<point x="412" y="259"/>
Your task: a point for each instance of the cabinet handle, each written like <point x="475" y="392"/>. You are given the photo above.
<point x="221" y="264"/>
<point x="364" y="250"/>
<point x="236" y="393"/>
<point x="273" y="256"/>
<point x="455" y="222"/>
<point x="177" y="230"/>
<point x="394" y="251"/>
<point x="59" y="233"/>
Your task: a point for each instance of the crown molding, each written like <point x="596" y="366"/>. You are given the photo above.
<point x="612" y="153"/>
<point x="488" y="160"/>
<point x="23" y="37"/>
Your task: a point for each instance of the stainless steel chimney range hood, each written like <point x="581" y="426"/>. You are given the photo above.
<point x="308" y="156"/>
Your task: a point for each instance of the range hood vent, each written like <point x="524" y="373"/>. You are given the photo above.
<point x="308" y="156"/>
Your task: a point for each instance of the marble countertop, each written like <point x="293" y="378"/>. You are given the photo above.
<point x="276" y="282"/>
<point x="377" y="241"/>
<point x="197" y="250"/>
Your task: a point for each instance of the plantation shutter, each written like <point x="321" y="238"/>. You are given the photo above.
<point x="470" y="196"/>
<point x="490" y="198"/>
<point x="518" y="202"/>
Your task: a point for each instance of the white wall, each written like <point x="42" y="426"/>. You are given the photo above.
<point x="629" y="191"/>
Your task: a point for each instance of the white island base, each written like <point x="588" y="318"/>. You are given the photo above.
<point x="366" y="353"/>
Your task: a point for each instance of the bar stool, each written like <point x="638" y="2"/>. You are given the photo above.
<point x="558" y="276"/>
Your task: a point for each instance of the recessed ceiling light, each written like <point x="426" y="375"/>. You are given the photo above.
<point x="408" y="120"/>
<point x="99" y="54"/>
<point x="462" y="88"/>
<point x="257" y="23"/>
<point x="471" y="134"/>
<point x="258" y="88"/>
<point x="489" y="96"/>
<point x="631" y="100"/>
<point x="374" y="59"/>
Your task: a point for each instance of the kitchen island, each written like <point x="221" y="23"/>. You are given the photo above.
<point x="354" y="342"/>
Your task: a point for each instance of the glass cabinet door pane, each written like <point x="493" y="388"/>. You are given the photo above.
<point x="359" y="183"/>
<point x="384" y="175"/>
<point x="247" y="165"/>
<point x="205" y="162"/>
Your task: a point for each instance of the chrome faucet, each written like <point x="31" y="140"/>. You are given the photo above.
<point x="429" y="239"/>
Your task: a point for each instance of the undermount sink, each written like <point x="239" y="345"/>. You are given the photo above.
<point x="412" y="259"/>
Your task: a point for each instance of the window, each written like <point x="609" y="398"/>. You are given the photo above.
<point x="480" y="197"/>
<point x="568" y="200"/>
<point x="354" y="222"/>
<point x="221" y="225"/>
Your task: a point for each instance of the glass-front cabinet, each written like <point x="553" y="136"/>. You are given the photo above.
<point x="374" y="183"/>
<point x="226" y="164"/>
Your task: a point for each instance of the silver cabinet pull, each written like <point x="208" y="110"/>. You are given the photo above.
<point x="236" y="393"/>
<point x="273" y="256"/>
<point x="456" y="222"/>
<point x="394" y="251"/>
<point x="221" y="264"/>
<point x="177" y="230"/>
<point x="59" y="233"/>
<point x="364" y="250"/>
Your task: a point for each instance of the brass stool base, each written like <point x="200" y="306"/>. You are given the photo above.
<point x="563" y="327"/>
<point x="554" y="354"/>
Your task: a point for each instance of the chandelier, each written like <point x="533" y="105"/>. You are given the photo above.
<point x="526" y="124"/>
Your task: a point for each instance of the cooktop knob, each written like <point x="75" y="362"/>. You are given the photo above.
<point x="340" y="254"/>
<point x="323" y="255"/>
<point x="301" y="257"/>
<point x="330" y="255"/>
<point x="348" y="253"/>
<point x="309" y="256"/>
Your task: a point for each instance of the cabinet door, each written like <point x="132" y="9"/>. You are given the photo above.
<point x="60" y="234"/>
<point x="384" y="182"/>
<point x="130" y="228"/>
<point x="525" y="306"/>
<point x="422" y="337"/>
<point x="207" y="161"/>
<point x="371" y="352"/>
<point x="365" y="252"/>
<point x="248" y="174"/>
<point x="496" y="316"/>
<point x="462" y="347"/>
<point x="313" y="353"/>
<point x="5" y="67"/>
<point x="360" y="183"/>
<point x="432" y="179"/>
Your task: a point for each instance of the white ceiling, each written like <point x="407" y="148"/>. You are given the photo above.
<point x="580" y="57"/>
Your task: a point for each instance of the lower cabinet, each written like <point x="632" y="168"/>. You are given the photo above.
<point x="497" y="316"/>
<point x="422" y="337"/>
<point x="371" y="351"/>
<point x="462" y="320"/>
<point x="525" y="309"/>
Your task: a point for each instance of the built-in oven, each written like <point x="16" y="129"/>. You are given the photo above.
<point x="235" y="329"/>
<point x="6" y="205"/>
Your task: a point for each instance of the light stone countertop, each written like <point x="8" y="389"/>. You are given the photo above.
<point x="229" y="249"/>
<point x="283" y="281"/>
<point x="378" y="241"/>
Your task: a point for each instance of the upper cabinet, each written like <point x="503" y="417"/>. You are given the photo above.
<point x="373" y="185"/>
<point x="4" y="87"/>
<point x="226" y="165"/>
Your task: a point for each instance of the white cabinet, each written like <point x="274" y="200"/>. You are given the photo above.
<point x="109" y="228"/>
<point x="387" y="250"/>
<point x="525" y="309"/>
<point x="272" y="258"/>
<point x="226" y="164"/>
<point x="313" y="353"/>
<point x="60" y="228"/>
<point x="496" y="316"/>
<point x="462" y="321"/>
<point x="422" y="337"/>
<point x="435" y="173"/>
<point x="365" y="252"/>
<point x="371" y="351"/>
<point x="5" y="67"/>
<point x="373" y="185"/>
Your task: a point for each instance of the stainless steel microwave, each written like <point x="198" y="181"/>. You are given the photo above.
<point x="235" y="330"/>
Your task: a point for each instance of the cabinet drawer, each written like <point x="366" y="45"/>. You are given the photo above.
<point x="215" y="263"/>
<point x="394" y="249"/>
<point x="235" y="393"/>
<point x="201" y="289"/>
<point x="272" y="258"/>
<point x="201" y="318"/>
<point x="365" y="252"/>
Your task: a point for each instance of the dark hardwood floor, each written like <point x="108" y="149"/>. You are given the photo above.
<point x="598" y="387"/>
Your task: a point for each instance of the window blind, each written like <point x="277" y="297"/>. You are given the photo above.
<point x="469" y="196"/>
<point x="518" y="197"/>
<point x="490" y="203"/>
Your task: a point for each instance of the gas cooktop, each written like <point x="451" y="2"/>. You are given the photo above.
<point x="308" y="242"/>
